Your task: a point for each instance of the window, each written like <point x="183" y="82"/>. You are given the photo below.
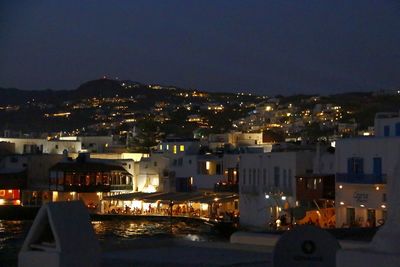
<point x="181" y="148"/>
<point x="386" y="130"/>
<point x="254" y="176"/>
<point x="276" y="176"/>
<point x="397" y="129"/>
<point x="377" y="166"/>
<point x="264" y="176"/>
<point x="284" y="178"/>
<point x="174" y="149"/>
<point x="290" y="178"/>
<point x="244" y="176"/>
<point x="190" y="161"/>
<point x="355" y="165"/>
<point x="155" y="164"/>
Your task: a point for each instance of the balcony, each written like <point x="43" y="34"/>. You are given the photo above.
<point x="278" y="190"/>
<point x="357" y="178"/>
<point x="121" y="187"/>
<point x="226" y="187"/>
<point x="80" y="188"/>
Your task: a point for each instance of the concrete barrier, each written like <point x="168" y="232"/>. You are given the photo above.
<point x="61" y="236"/>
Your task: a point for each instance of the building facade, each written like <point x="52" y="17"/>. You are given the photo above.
<point x="267" y="186"/>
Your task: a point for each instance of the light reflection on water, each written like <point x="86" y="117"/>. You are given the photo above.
<point x="13" y="233"/>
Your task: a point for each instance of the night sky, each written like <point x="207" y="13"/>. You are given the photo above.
<point x="265" y="47"/>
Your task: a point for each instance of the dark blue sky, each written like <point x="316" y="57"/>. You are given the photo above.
<point x="266" y="47"/>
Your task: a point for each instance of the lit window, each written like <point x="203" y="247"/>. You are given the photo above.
<point x="181" y="148"/>
<point x="207" y="165"/>
<point x="167" y="147"/>
<point x="174" y="149"/>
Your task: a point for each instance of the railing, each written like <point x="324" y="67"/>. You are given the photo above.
<point x="357" y="178"/>
<point x="121" y="187"/>
<point x="225" y="187"/>
<point x="80" y="188"/>
<point x="278" y="190"/>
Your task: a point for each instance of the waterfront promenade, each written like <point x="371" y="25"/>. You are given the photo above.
<point x="172" y="252"/>
<point x="177" y="252"/>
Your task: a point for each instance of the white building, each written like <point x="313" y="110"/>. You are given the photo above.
<point x="387" y="124"/>
<point x="363" y="166"/>
<point x="236" y="139"/>
<point x="35" y="145"/>
<point x="181" y="165"/>
<point x="267" y="184"/>
<point x="92" y="144"/>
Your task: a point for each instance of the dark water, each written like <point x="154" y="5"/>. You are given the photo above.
<point x="112" y="234"/>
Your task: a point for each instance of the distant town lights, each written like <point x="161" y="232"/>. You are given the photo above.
<point x="383" y="206"/>
<point x="377" y="188"/>
<point x="362" y="205"/>
<point x="341" y="203"/>
<point x="266" y="196"/>
<point x="340" y="186"/>
<point x="283" y="198"/>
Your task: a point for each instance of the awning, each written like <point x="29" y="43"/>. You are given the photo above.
<point x="177" y="197"/>
<point x="131" y="196"/>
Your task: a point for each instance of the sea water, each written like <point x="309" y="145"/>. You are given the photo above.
<point x="112" y="234"/>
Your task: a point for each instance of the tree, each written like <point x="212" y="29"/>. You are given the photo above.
<point x="147" y="136"/>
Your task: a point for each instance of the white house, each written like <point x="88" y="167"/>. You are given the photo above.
<point x="92" y="144"/>
<point x="363" y="166"/>
<point x="181" y="165"/>
<point x="267" y="184"/>
<point x="35" y="145"/>
<point x="387" y="124"/>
